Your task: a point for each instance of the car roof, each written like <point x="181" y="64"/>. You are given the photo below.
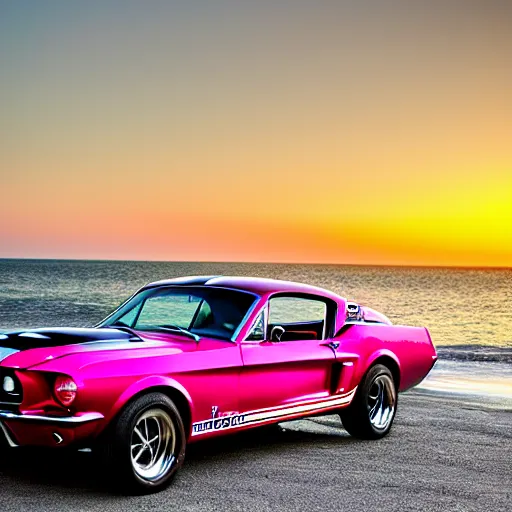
<point x="258" y="285"/>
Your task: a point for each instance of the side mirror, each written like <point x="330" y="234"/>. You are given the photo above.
<point x="276" y="333"/>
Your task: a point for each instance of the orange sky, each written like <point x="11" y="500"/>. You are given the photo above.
<point x="277" y="131"/>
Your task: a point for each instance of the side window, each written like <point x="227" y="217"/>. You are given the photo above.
<point x="257" y="332"/>
<point x="296" y="309"/>
<point x="168" y="309"/>
<point x="301" y="318"/>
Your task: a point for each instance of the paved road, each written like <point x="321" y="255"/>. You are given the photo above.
<point x="442" y="455"/>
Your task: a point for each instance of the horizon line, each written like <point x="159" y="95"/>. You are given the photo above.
<point x="386" y="265"/>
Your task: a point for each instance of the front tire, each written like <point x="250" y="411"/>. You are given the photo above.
<point x="146" y="445"/>
<point x="373" y="409"/>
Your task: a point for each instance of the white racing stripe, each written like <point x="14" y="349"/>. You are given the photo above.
<point x="271" y="413"/>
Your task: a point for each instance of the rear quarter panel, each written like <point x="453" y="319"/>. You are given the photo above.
<point x="409" y="347"/>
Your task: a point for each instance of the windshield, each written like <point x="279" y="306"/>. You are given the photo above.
<point x="202" y="310"/>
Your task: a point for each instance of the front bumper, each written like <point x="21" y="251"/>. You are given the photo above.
<point x="37" y="430"/>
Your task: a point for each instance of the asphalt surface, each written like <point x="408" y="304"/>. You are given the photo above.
<point x="442" y="455"/>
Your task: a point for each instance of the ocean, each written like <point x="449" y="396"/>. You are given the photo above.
<point x="467" y="307"/>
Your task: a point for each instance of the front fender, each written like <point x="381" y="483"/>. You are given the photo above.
<point x="145" y="385"/>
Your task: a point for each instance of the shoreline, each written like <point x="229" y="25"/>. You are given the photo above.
<point x="476" y="353"/>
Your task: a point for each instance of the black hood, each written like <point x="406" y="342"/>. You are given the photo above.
<point x="56" y="337"/>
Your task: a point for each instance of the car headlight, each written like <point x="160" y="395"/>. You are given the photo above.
<point x="9" y="385"/>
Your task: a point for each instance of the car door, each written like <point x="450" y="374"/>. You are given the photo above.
<point x="295" y="369"/>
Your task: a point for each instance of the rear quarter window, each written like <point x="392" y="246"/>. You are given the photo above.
<point x="295" y="309"/>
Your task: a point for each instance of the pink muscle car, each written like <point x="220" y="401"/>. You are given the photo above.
<point x="198" y="357"/>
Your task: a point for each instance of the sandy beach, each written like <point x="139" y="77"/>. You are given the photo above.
<point x="443" y="454"/>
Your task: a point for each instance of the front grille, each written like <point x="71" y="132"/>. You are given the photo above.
<point x="11" y="397"/>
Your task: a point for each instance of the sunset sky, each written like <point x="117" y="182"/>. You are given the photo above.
<point x="364" y="132"/>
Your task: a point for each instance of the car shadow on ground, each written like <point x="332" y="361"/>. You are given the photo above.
<point x="73" y="470"/>
<point x="270" y="439"/>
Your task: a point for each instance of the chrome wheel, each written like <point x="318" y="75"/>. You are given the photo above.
<point x="381" y="402"/>
<point x="153" y="444"/>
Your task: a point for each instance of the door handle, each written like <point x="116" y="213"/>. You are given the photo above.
<point x="332" y="344"/>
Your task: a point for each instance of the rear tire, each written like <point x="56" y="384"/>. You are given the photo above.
<point x="373" y="409"/>
<point x="145" y="446"/>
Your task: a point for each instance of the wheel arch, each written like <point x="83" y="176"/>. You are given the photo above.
<point x="179" y="400"/>
<point x="168" y="387"/>
<point x="391" y="362"/>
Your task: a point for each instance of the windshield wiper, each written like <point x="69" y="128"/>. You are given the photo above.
<point x="124" y="328"/>
<point x="168" y="327"/>
<point x="177" y="328"/>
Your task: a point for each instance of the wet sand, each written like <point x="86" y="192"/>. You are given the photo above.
<point x="472" y="381"/>
<point x="443" y="454"/>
